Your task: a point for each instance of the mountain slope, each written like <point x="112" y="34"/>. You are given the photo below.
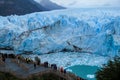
<point x="19" y="7"/>
<point x="50" y="5"/>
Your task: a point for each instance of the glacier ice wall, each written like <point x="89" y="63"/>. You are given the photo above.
<point x="79" y="30"/>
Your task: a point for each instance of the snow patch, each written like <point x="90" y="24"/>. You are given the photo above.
<point x="91" y="76"/>
<point x="72" y="58"/>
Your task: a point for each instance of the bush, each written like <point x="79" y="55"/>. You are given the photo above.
<point x="7" y="76"/>
<point x="110" y="71"/>
<point x="46" y="76"/>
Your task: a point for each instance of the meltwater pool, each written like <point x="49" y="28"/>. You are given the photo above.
<point x="84" y="71"/>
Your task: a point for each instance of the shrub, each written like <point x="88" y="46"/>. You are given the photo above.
<point x="110" y="71"/>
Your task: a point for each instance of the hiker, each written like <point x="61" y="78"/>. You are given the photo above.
<point x="61" y="69"/>
<point x="17" y="57"/>
<point x="38" y="61"/>
<point x="64" y="71"/>
<point x="45" y="64"/>
<point x="12" y="56"/>
<point x="22" y="58"/>
<point x="49" y="65"/>
<point x="27" y="60"/>
<point x="34" y="65"/>
<point x="5" y="55"/>
<point x="54" y="66"/>
<point x="78" y="78"/>
<point x="3" y="59"/>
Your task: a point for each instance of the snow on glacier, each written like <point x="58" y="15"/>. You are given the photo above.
<point x="68" y="59"/>
<point x="94" y="31"/>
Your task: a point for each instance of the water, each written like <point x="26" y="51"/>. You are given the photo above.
<point x="86" y="72"/>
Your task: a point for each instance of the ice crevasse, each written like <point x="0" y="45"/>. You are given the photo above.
<point x="71" y="30"/>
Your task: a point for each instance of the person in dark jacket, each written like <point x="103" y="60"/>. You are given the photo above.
<point x="64" y="71"/>
<point x="34" y="65"/>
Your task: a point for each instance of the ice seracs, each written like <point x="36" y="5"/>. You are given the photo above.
<point x="94" y="31"/>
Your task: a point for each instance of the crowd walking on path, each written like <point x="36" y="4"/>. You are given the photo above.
<point x="36" y="63"/>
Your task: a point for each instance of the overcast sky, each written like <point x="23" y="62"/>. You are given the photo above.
<point x="88" y="3"/>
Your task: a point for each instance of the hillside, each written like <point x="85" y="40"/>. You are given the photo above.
<point x="19" y="7"/>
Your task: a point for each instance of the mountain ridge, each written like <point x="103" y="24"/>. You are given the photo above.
<point x="19" y="7"/>
<point x="50" y="5"/>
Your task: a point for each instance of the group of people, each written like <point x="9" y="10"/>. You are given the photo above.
<point x="47" y="65"/>
<point x="36" y="62"/>
<point x="4" y="56"/>
<point x="78" y="78"/>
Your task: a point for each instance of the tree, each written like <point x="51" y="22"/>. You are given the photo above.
<point x="110" y="71"/>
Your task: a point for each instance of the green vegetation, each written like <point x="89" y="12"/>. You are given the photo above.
<point x="110" y="71"/>
<point x="19" y="7"/>
<point x="47" y="76"/>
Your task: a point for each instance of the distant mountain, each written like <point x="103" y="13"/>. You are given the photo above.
<point x="19" y="7"/>
<point x="50" y="5"/>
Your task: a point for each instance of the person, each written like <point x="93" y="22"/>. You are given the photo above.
<point x="78" y="78"/>
<point x="38" y="60"/>
<point x="45" y="64"/>
<point x="34" y="65"/>
<point x="3" y="59"/>
<point x="27" y="60"/>
<point x="61" y="69"/>
<point x="54" y="66"/>
<point x="5" y="55"/>
<point x="64" y="71"/>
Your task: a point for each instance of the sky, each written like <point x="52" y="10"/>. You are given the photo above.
<point x="87" y="3"/>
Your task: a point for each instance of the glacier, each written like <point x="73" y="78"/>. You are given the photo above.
<point x="68" y="59"/>
<point x="94" y="31"/>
